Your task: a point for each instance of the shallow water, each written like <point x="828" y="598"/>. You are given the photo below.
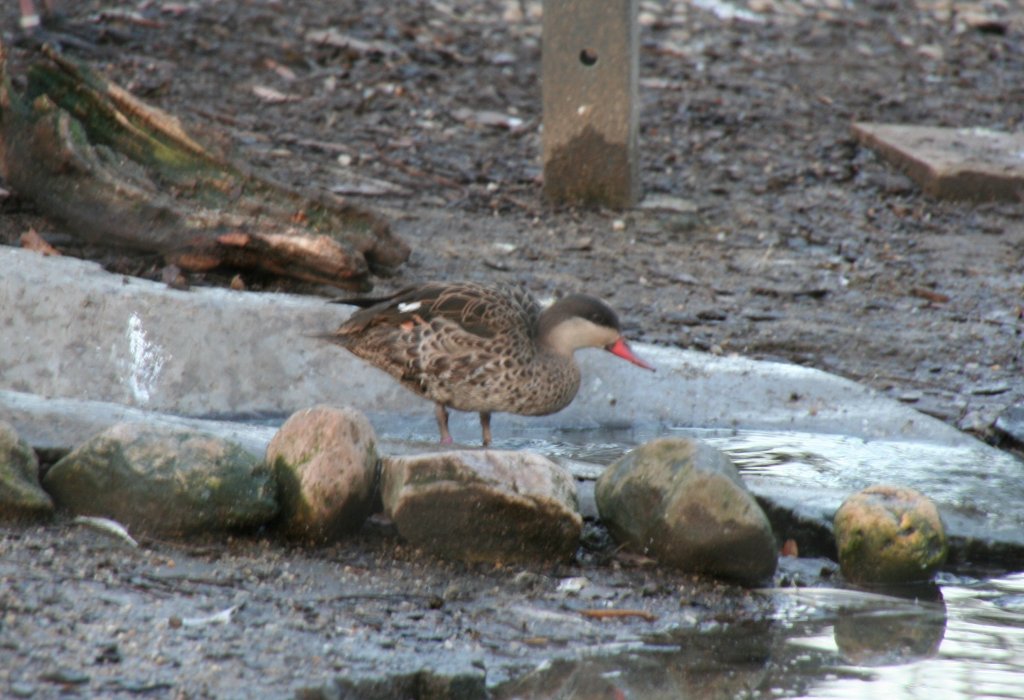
<point x="968" y="644"/>
<point x="966" y="640"/>
<point x="977" y="489"/>
<point x="963" y="639"/>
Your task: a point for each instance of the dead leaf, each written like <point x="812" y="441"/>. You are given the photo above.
<point x="789" y="549"/>
<point x="332" y="37"/>
<point x="31" y="240"/>
<point x="175" y="8"/>
<point x="127" y="17"/>
<point x="173" y="277"/>
<point x="486" y="117"/>
<point x="106" y="526"/>
<point x="632" y="559"/>
<point x="283" y="71"/>
<point x="929" y="295"/>
<point x="606" y="613"/>
<point x="235" y="238"/>
<point x="269" y="94"/>
<point x="367" y="186"/>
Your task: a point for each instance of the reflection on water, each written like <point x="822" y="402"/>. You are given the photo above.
<point x="980" y="653"/>
<point x="965" y="641"/>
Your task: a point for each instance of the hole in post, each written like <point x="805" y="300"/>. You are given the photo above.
<point x="588" y="57"/>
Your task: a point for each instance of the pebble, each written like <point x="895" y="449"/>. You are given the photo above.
<point x="21" y="690"/>
<point x="1010" y="423"/>
<point x="65" y="676"/>
<point x="891" y="535"/>
<point x="572" y="585"/>
<point x="990" y="390"/>
<point x="683" y="503"/>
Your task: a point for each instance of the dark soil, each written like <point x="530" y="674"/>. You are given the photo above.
<point x="85" y="616"/>
<point x="788" y="240"/>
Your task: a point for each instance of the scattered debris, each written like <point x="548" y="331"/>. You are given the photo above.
<point x="572" y="585"/>
<point x="664" y="202"/>
<point x="489" y="118"/>
<point x="929" y="295"/>
<point x="272" y="96"/>
<point x="335" y="39"/>
<point x="107" y="527"/>
<point x="218" y="618"/>
<point x="166" y="192"/>
<point x="173" y="277"/>
<point x="990" y="389"/>
<point x="612" y="613"/>
<point x="351" y="183"/>
<point x="31" y="240"/>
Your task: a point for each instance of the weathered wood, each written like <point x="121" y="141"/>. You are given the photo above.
<point x="967" y="163"/>
<point x="118" y="172"/>
<point x="590" y="74"/>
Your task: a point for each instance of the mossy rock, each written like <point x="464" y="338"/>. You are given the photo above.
<point x="889" y="535"/>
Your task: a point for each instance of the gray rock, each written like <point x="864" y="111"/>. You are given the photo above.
<point x="483" y="505"/>
<point x="166" y="481"/>
<point x="59" y="425"/>
<point x="1010" y="424"/>
<point x="21" y="496"/>
<point x="161" y="349"/>
<point x="683" y="502"/>
<point x="889" y="535"/>
<point x="325" y="461"/>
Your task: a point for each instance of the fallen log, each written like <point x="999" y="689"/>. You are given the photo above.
<point x="117" y="172"/>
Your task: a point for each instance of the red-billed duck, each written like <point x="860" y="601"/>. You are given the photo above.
<point x="473" y="347"/>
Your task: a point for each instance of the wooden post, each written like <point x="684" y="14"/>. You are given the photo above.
<point x="589" y="70"/>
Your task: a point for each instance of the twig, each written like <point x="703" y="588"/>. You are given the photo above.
<point x="606" y="613"/>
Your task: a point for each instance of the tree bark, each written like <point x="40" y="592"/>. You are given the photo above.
<point x="120" y="173"/>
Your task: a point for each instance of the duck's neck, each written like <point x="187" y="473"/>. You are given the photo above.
<point x="564" y="336"/>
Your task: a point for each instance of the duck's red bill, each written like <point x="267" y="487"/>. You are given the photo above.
<point x="620" y="348"/>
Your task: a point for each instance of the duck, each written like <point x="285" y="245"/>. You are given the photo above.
<point x="482" y="348"/>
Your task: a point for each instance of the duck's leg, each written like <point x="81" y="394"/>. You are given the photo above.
<point x="485" y="427"/>
<point x="442" y="423"/>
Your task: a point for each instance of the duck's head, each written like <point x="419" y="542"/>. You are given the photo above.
<point x="582" y="321"/>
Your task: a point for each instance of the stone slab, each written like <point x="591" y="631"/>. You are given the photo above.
<point x="71" y="330"/>
<point x="969" y="163"/>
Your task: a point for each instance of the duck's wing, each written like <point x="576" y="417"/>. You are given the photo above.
<point x="480" y="310"/>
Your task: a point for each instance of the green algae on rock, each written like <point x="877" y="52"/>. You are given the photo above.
<point x="889" y="535"/>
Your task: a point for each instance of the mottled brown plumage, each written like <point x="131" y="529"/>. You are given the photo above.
<point x="482" y="348"/>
